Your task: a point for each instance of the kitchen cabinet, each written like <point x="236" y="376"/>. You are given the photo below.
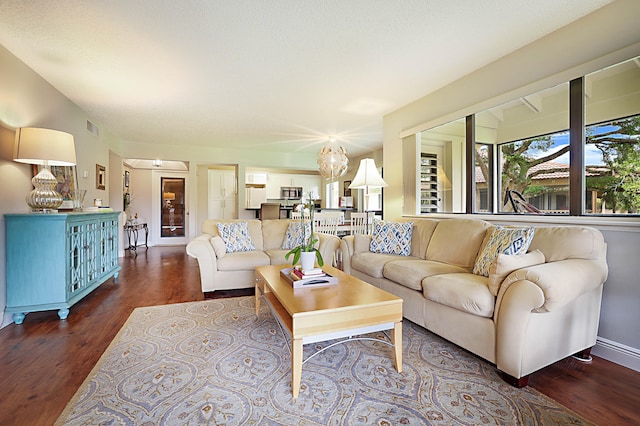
<point x="54" y="260"/>
<point x="308" y="183"/>
<point x="256" y="178"/>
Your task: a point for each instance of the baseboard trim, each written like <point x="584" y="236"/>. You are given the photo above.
<point x="617" y="352"/>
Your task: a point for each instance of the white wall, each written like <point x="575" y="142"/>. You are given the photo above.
<point x="605" y="37"/>
<point x="26" y="100"/>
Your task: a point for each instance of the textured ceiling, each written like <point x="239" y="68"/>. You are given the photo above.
<point x="281" y="75"/>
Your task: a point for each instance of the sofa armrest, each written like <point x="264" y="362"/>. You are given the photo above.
<point x="328" y="246"/>
<point x="346" y="249"/>
<point x="201" y="249"/>
<point x="560" y="282"/>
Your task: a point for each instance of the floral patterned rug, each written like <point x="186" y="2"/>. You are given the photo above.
<point x="215" y="362"/>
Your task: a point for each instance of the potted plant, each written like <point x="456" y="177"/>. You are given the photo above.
<point x="306" y="252"/>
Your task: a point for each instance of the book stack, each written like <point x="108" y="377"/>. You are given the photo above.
<point x="299" y="274"/>
<point x="305" y="279"/>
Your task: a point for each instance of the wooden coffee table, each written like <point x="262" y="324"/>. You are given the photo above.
<point x="349" y="308"/>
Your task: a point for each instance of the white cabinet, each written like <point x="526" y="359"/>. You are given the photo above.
<point x="274" y="182"/>
<point x="308" y="183"/>
<point x="223" y="193"/>
<point x="256" y="178"/>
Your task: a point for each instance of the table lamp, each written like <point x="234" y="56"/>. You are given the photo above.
<point x="367" y="177"/>
<point x="44" y="147"/>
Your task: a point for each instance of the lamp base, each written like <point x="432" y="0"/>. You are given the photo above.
<point x="44" y="198"/>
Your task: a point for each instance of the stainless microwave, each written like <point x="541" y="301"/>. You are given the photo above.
<point x="290" y="192"/>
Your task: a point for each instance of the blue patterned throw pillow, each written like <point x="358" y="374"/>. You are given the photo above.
<point x="235" y="236"/>
<point x="505" y="240"/>
<point x="391" y="238"/>
<point x="293" y="238"/>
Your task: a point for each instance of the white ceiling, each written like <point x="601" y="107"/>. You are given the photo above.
<point x="280" y="74"/>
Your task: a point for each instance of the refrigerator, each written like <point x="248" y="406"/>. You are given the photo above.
<point x="255" y="197"/>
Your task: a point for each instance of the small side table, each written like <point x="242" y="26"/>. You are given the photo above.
<point x="132" y="235"/>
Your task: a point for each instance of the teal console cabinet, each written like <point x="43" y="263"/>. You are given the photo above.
<point x="54" y="260"/>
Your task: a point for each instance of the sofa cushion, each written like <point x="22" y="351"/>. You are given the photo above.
<point x="569" y="242"/>
<point x="235" y="236"/>
<point x="465" y="292"/>
<point x="277" y="256"/>
<point x="372" y="264"/>
<point x="294" y="236"/>
<point x="457" y="242"/>
<point x="273" y="232"/>
<point x="506" y="240"/>
<point x="361" y="243"/>
<point x="410" y="273"/>
<point x="243" y="261"/>
<point x="218" y="245"/>
<point x="210" y="226"/>
<point x="392" y="238"/>
<point x="505" y="264"/>
<point x="422" y="233"/>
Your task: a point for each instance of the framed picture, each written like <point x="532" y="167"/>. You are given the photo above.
<point x="101" y="177"/>
<point x="126" y="178"/>
<point x="347" y="191"/>
<point x="67" y="182"/>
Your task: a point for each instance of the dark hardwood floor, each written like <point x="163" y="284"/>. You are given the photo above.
<point x="44" y="360"/>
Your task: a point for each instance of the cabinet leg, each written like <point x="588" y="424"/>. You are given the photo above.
<point x="18" y="318"/>
<point x="63" y="313"/>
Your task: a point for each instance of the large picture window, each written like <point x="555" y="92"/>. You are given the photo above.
<point x="523" y="152"/>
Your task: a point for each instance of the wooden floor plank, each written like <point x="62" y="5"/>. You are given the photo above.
<point x="44" y="360"/>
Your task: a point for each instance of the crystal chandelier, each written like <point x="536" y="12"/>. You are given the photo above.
<point x="333" y="160"/>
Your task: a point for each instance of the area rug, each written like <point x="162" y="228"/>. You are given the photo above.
<point x="216" y="362"/>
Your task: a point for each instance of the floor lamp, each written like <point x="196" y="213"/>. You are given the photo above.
<point x="367" y="177"/>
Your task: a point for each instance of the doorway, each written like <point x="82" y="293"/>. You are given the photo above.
<point x="172" y="215"/>
<point x="170" y="203"/>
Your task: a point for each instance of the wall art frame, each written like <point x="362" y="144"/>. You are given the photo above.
<point x="67" y="183"/>
<point x="101" y="177"/>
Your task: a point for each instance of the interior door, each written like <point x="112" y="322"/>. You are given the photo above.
<point x="171" y="208"/>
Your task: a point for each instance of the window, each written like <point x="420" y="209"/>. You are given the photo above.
<point x="333" y="194"/>
<point x="484" y="178"/>
<point x="538" y="170"/>
<point x="612" y="145"/>
<point x="532" y="137"/>
<point x="440" y="176"/>
<point x="523" y="150"/>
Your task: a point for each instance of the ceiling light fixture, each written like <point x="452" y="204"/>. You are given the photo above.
<point x="333" y="160"/>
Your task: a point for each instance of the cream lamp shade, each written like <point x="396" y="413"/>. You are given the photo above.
<point x="44" y="147"/>
<point x="367" y="176"/>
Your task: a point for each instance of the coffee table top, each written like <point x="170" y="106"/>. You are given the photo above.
<point x="349" y="293"/>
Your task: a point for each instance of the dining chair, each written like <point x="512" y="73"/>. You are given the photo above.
<point x="269" y="211"/>
<point x="359" y="223"/>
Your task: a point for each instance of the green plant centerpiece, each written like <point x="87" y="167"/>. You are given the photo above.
<point x="307" y="245"/>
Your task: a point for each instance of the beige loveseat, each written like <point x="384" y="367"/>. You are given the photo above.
<point x="539" y="315"/>
<point x="220" y="270"/>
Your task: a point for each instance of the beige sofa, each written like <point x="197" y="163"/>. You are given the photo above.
<point x="539" y="315"/>
<point x="223" y="271"/>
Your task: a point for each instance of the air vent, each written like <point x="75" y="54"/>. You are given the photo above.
<point x="92" y="128"/>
